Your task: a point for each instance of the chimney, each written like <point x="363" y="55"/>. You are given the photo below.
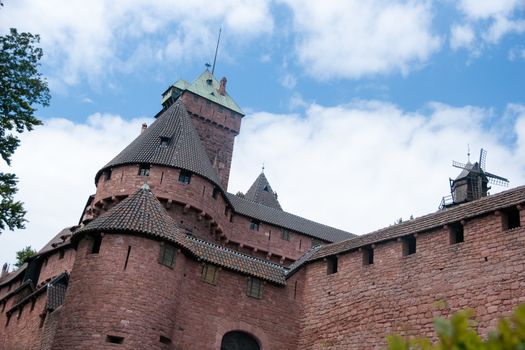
<point x="5" y="268"/>
<point x="143" y="128"/>
<point x="222" y="88"/>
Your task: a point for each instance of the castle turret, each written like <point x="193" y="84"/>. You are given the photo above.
<point x="261" y="192"/>
<point x="216" y="116"/>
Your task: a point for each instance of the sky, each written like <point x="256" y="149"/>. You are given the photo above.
<point x="356" y="108"/>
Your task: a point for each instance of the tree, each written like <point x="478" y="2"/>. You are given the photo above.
<point x="23" y="255"/>
<point x="22" y="88"/>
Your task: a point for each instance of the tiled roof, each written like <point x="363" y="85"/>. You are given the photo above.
<point x="233" y="260"/>
<point x="302" y="260"/>
<point x="139" y="213"/>
<point x="184" y="149"/>
<point x="287" y="220"/>
<point x="261" y="192"/>
<point x="13" y="275"/>
<point x="142" y="213"/>
<point x="446" y="216"/>
<point x="201" y="87"/>
<point x="60" y="240"/>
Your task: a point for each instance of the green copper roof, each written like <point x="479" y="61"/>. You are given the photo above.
<point x="202" y="87"/>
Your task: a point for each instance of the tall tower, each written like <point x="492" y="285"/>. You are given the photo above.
<point x="215" y="115"/>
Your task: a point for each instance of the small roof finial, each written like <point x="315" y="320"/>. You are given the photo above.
<point x="262" y="168"/>
<point x="207" y="66"/>
<point x="468" y="152"/>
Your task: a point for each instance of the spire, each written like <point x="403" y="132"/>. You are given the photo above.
<point x="261" y="192"/>
<point x="170" y="141"/>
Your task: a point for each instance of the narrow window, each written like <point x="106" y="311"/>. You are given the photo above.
<point x="33" y="302"/>
<point x="167" y="255"/>
<point x="127" y="258"/>
<point x="455" y="233"/>
<point x="295" y="290"/>
<point x="97" y="241"/>
<point x="254" y="288"/>
<point x="285" y="234"/>
<point x="42" y="319"/>
<point x="185" y="176"/>
<point x="368" y="256"/>
<point x="215" y="193"/>
<point x="210" y="273"/>
<point x="331" y="265"/>
<point x="231" y="218"/>
<point x="409" y="245"/>
<point x="107" y="175"/>
<point x="164" y="141"/>
<point x="164" y="340"/>
<point x="300" y="243"/>
<point x="114" y="339"/>
<point x="510" y="218"/>
<point x="61" y="254"/>
<point x="254" y="225"/>
<point x="144" y="170"/>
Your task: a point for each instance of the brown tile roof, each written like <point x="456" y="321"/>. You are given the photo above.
<point x="142" y="213"/>
<point x="184" y="149"/>
<point x="233" y="260"/>
<point x="286" y="220"/>
<point x="446" y="216"/>
<point x="13" y="275"/>
<point x="261" y="192"/>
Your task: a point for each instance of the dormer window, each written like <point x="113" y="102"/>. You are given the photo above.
<point x="215" y="193"/>
<point x="185" y="176"/>
<point x="144" y="170"/>
<point x="254" y="225"/>
<point x="266" y="188"/>
<point x="107" y="175"/>
<point x="164" y="141"/>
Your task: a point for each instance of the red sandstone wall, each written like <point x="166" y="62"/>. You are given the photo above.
<point x="205" y="216"/>
<point x="206" y="312"/>
<point x="22" y="333"/>
<point x="104" y="299"/>
<point x="358" y="306"/>
<point x="53" y="265"/>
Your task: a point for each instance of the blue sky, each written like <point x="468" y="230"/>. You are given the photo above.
<point x="356" y="108"/>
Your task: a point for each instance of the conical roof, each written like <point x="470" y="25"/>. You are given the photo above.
<point x="171" y="141"/>
<point x="261" y="192"/>
<point x="140" y="213"/>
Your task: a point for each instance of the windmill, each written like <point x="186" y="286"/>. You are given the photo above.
<point x="472" y="183"/>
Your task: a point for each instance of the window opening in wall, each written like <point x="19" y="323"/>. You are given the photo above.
<point x="254" y="288"/>
<point x="97" y="241"/>
<point x="368" y="256"/>
<point x="164" y="141"/>
<point x="42" y="319"/>
<point x="185" y="176"/>
<point x="167" y="255"/>
<point x="231" y="218"/>
<point x="266" y="188"/>
<point x="164" y="340"/>
<point x="316" y="242"/>
<point x="215" y="193"/>
<point x="254" y="225"/>
<point x="210" y="273"/>
<point x="161" y="177"/>
<point x="203" y="190"/>
<point x="285" y="234"/>
<point x="331" y="265"/>
<point x="61" y="254"/>
<point x="455" y="233"/>
<point x="33" y="302"/>
<point x="127" y="258"/>
<point x="269" y="234"/>
<point x="295" y="290"/>
<point x="114" y="339"/>
<point x="409" y="245"/>
<point x="107" y="175"/>
<point x="144" y="169"/>
<point x="510" y="218"/>
<point x="300" y="243"/>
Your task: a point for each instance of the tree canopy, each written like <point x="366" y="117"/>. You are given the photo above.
<point x="22" y="88"/>
<point x="23" y="255"/>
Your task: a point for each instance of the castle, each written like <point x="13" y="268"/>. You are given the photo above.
<point x="163" y="257"/>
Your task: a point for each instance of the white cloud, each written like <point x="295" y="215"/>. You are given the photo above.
<point x="56" y="164"/>
<point x="350" y="39"/>
<point x="91" y="39"/>
<point x="461" y="36"/>
<point x="492" y="19"/>
<point x="358" y="166"/>
<point x="288" y="81"/>
<point x="516" y="53"/>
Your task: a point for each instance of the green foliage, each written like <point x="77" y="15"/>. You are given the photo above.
<point x="458" y="334"/>
<point x="22" y="87"/>
<point x="23" y="255"/>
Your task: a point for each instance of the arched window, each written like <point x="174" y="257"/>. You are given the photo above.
<point x="238" y="340"/>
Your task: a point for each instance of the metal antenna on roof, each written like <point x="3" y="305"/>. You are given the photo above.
<point x="216" y="50"/>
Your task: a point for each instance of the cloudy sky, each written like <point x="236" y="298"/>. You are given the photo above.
<point x="356" y="108"/>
